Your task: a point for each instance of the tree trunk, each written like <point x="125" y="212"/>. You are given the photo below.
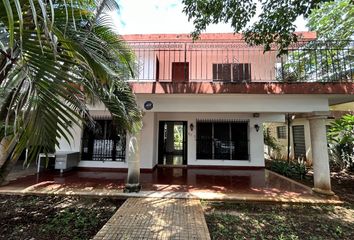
<point x="7" y="162"/>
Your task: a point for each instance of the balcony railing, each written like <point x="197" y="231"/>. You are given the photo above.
<point x="315" y="61"/>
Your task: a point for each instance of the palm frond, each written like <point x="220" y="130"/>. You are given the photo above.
<point x="58" y="56"/>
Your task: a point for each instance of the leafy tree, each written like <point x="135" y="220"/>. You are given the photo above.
<point x="330" y="58"/>
<point x="55" y="57"/>
<point x="333" y="21"/>
<point x="275" y="23"/>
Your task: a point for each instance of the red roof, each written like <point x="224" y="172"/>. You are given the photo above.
<point x="304" y="36"/>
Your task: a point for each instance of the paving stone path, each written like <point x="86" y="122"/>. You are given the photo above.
<point x="156" y="218"/>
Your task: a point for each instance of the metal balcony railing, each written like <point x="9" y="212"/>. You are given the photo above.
<point x="315" y="61"/>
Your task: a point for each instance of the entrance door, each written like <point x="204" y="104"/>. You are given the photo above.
<point x="299" y="142"/>
<point x="180" y="71"/>
<point x="172" y="142"/>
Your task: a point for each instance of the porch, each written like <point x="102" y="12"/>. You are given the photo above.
<point x="241" y="184"/>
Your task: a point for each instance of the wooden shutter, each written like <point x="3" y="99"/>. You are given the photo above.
<point x="215" y="72"/>
<point x="241" y="72"/>
<point x="247" y="73"/>
<point x="226" y="72"/>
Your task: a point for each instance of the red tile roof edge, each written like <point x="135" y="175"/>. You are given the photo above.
<point x="305" y="36"/>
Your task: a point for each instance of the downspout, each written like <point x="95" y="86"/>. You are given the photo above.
<point x="288" y="119"/>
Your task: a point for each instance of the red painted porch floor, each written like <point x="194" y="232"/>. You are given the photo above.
<point x="254" y="184"/>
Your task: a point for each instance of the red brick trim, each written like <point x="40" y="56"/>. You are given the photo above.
<point x="241" y="88"/>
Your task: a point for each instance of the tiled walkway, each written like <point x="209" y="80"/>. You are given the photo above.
<point x="151" y="218"/>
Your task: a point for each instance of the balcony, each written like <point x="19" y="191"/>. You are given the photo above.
<point x="236" y="62"/>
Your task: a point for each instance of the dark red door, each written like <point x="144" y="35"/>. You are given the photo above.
<point x="180" y="71"/>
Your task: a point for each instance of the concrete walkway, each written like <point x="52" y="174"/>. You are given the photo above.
<point x="151" y="218"/>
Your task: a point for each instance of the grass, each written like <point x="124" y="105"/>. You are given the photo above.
<point x="279" y="221"/>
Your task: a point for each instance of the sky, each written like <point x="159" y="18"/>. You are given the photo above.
<point x="162" y="16"/>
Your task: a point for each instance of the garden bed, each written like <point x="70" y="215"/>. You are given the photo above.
<point x="53" y="217"/>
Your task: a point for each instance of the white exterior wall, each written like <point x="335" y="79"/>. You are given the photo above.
<point x="241" y="103"/>
<point x="74" y="145"/>
<point x="148" y="145"/>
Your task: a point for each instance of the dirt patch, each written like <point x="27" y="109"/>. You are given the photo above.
<point x="342" y="184"/>
<point x="53" y="217"/>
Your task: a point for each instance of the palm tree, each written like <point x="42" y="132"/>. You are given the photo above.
<point x="55" y="57"/>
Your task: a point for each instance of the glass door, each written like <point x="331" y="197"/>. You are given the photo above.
<point x="173" y="143"/>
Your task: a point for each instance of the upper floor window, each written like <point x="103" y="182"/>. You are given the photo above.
<point x="281" y="132"/>
<point x="236" y="72"/>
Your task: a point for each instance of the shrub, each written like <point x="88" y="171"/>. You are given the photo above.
<point x="292" y="169"/>
<point x="341" y="142"/>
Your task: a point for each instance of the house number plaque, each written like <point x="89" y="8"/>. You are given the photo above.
<point x="148" y="105"/>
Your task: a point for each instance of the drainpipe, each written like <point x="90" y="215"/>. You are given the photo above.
<point x="288" y="119"/>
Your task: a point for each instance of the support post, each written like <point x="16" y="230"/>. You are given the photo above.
<point x="321" y="172"/>
<point x="133" y="158"/>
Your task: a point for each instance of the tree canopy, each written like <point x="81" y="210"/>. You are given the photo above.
<point x="55" y="57"/>
<point x="274" y="25"/>
<point x="333" y="20"/>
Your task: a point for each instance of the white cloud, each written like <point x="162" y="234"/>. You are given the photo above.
<point x="160" y="16"/>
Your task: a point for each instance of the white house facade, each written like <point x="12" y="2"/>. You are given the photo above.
<point x="204" y="105"/>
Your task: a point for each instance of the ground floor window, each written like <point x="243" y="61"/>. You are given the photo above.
<point x="103" y="142"/>
<point x="281" y="132"/>
<point x="222" y="140"/>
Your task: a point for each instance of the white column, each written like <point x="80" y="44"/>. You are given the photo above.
<point x="133" y="159"/>
<point x="321" y="173"/>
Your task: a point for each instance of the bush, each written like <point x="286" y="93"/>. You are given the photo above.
<point x="271" y="141"/>
<point x="341" y="143"/>
<point x="292" y="169"/>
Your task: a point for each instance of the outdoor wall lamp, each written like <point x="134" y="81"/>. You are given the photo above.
<point x="191" y="126"/>
<point x="256" y="126"/>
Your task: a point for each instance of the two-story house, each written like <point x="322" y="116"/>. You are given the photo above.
<point x="205" y="103"/>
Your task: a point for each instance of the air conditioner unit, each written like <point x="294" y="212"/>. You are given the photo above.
<point x="66" y="160"/>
